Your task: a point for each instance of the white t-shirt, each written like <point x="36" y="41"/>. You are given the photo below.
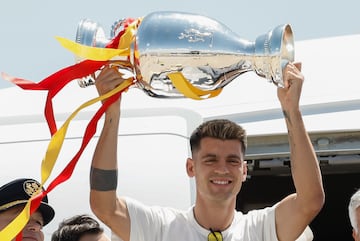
<point x="168" y="224"/>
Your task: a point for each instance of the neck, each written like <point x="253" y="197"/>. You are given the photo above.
<point x="214" y="215"/>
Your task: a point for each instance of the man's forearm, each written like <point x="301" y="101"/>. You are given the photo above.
<point x="105" y="155"/>
<point x="103" y="174"/>
<point x="304" y="164"/>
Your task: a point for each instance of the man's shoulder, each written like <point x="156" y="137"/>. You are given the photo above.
<point x="155" y="209"/>
<point x="256" y="213"/>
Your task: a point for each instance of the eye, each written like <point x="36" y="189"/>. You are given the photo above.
<point x="234" y="161"/>
<point x="209" y="161"/>
<point x="40" y="223"/>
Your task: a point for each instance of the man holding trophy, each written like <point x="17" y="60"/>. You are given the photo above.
<point x="174" y="55"/>
<point x="171" y="48"/>
<point x="217" y="163"/>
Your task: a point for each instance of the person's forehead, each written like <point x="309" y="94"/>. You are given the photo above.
<point x="211" y="140"/>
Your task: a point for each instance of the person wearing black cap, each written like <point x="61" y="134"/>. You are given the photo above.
<point x="13" y="197"/>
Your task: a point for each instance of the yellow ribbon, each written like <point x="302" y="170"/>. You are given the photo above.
<point x="103" y="54"/>
<point x="57" y="139"/>
<point x="92" y="53"/>
<point x="128" y="35"/>
<point x="189" y="90"/>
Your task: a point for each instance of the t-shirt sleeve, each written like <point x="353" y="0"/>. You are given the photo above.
<point x="261" y="223"/>
<point x="267" y="218"/>
<point x="145" y="221"/>
<point x="269" y="225"/>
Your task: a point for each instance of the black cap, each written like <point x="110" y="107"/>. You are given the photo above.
<point x="19" y="191"/>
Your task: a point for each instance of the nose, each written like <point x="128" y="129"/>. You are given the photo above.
<point x="221" y="168"/>
<point x="33" y="226"/>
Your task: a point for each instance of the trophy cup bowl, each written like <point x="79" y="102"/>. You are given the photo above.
<point x="206" y="52"/>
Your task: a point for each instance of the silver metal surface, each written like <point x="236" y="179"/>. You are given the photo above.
<point x="207" y="53"/>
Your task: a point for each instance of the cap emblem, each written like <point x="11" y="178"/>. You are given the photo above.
<point x="31" y="187"/>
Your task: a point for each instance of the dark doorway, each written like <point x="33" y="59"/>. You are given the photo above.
<point x="332" y="223"/>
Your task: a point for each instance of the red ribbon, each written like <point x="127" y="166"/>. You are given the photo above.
<point x="55" y="82"/>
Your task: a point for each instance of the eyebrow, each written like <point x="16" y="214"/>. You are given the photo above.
<point x="228" y="156"/>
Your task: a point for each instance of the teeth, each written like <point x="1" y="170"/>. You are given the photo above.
<point x="221" y="182"/>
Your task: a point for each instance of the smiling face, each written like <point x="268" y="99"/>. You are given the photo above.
<point x="219" y="169"/>
<point x="33" y="229"/>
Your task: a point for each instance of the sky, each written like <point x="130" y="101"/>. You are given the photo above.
<point x="28" y="48"/>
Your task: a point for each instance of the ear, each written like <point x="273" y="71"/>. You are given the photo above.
<point x="190" y="167"/>
<point x="244" y="171"/>
<point x="354" y="234"/>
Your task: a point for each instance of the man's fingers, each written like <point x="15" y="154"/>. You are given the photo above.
<point x="292" y="73"/>
<point x="298" y="65"/>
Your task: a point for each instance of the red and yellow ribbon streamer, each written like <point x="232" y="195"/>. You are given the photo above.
<point x="104" y="54"/>
<point x="52" y="152"/>
<point x="92" y="53"/>
<point x="54" y="84"/>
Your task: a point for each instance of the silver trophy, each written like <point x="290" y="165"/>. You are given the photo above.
<point x="207" y="53"/>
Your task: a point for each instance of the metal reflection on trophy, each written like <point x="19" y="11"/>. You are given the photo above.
<point x="206" y="52"/>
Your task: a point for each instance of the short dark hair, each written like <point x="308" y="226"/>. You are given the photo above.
<point x="72" y="229"/>
<point x="220" y="129"/>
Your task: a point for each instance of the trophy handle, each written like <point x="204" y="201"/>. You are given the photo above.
<point x="89" y="33"/>
<point x="277" y="46"/>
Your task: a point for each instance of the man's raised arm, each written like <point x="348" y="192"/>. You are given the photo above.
<point x="296" y="211"/>
<point x="103" y="175"/>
